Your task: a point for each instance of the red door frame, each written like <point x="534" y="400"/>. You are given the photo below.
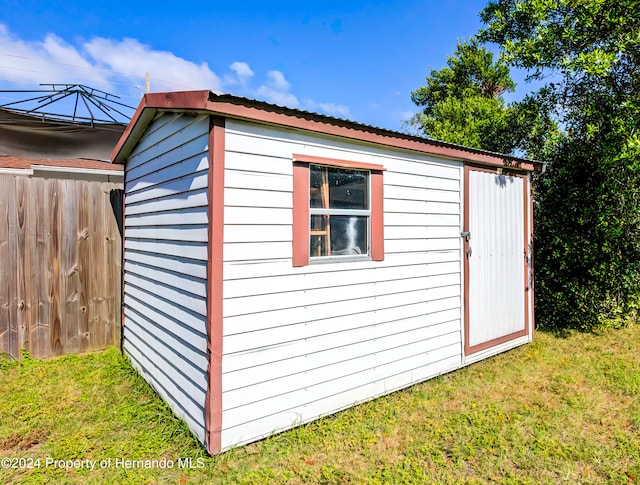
<point x="528" y="242"/>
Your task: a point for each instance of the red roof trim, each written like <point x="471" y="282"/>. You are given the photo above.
<point x="235" y="107"/>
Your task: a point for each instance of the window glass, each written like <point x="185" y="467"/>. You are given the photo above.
<point x="316" y="192"/>
<point x="337" y="188"/>
<point x="339" y="211"/>
<point x="348" y="189"/>
<point x="338" y="235"/>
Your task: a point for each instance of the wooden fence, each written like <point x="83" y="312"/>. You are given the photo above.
<point x="60" y="265"/>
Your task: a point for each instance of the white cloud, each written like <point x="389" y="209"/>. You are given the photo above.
<point x="117" y="66"/>
<point x="277" y="80"/>
<point x="166" y="70"/>
<point x="331" y="109"/>
<point x="48" y="61"/>
<point x="276" y="91"/>
<point x="241" y="76"/>
<point x="99" y="62"/>
<point x="335" y="109"/>
<point x="59" y="51"/>
<point x="242" y="70"/>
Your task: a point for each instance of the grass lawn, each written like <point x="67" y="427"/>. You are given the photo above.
<point x="560" y="410"/>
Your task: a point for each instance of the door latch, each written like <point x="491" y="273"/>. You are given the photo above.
<point x="466" y="235"/>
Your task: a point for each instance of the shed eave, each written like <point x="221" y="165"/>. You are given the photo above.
<point x="133" y="133"/>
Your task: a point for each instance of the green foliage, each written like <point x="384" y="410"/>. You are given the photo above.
<point x="462" y="103"/>
<point x="587" y="237"/>
<point x="471" y="72"/>
<point x="584" y="38"/>
<point x="6" y="361"/>
<point x="587" y="218"/>
<point x="530" y="127"/>
<point x="470" y="120"/>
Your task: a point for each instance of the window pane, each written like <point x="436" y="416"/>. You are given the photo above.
<point x="338" y="235"/>
<point x="319" y="236"/>
<point x="349" y="235"/>
<point x="319" y="188"/>
<point x="338" y="188"/>
<point x="348" y="189"/>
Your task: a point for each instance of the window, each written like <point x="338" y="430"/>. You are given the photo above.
<point x="337" y="210"/>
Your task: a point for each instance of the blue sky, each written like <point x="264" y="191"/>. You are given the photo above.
<point x="352" y="59"/>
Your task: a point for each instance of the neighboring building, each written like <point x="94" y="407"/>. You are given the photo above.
<point x="281" y="265"/>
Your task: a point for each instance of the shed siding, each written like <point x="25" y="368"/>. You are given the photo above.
<point x="165" y="262"/>
<point x="301" y="342"/>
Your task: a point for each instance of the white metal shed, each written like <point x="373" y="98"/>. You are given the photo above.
<point x="281" y="265"/>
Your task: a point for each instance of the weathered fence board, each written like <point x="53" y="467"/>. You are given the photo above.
<point x="60" y="265"/>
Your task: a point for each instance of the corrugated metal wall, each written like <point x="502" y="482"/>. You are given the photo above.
<point x="166" y="262"/>
<point x="496" y="265"/>
<point x="304" y="342"/>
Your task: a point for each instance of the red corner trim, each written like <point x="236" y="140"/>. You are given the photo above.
<point x="213" y="405"/>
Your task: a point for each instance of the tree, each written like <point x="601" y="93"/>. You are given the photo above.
<point x="462" y="103"/>
<point x="588" y="214"/>
<point x="469" y="120"/>
<point x="470" y="72"/>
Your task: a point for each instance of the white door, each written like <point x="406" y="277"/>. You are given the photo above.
<point x="496" y="242"/>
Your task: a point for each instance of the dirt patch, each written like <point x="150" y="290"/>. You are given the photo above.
<point x="17" y="441"/>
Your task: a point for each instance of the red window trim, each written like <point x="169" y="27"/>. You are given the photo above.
<point x="301" y="204"/>
<point x="334" y="162"/>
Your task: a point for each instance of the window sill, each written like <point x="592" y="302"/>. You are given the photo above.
<point x="339" y="259"/>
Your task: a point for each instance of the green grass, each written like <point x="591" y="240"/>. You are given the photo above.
<point x="564" y="409"/>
